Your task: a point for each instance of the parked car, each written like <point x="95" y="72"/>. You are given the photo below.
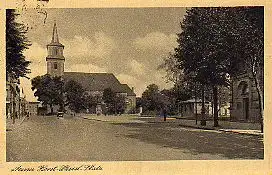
<point x="60" y="114"/>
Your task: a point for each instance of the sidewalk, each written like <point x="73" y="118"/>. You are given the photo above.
<point x="225" y="126"/>
<point x="10" y="126"/>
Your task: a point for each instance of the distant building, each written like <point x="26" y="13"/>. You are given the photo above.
<point x="92" y="83"/>
<point x="33" y="108"/>
<point x="191" y="107"/>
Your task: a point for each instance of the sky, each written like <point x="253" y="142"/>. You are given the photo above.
<point x="129" y="42"/>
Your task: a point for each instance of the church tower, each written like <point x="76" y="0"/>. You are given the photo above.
<point x="55" y="59"/>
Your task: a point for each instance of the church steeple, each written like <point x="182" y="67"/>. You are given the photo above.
<point x="55" y="38"/>
<point x="55" y="59"/>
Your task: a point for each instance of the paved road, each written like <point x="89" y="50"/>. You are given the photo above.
<point x="78" y="139"/>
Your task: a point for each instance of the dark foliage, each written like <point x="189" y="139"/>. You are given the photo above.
<point x="74" y="95"/>
<point x="16" y="43"/>
<point x="49" y="90"/>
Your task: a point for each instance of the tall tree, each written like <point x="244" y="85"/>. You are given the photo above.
<point x="74" y="95"/>
<point x="215" y="41"/>
<point x="201" y="50"/>
<point x="109" y="99"/>
<point x="90" y="101"/>
<point x="49" y="90"/>
<point x="120" y="102"/>
<point x="16" y="43"/>
<point x="150" y="98"/>
<point x="154" y="100"/>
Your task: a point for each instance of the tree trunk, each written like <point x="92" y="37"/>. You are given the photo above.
<point x="13" y="118"/>
<point x="231" y="104"/>
<point x="195" y="106"/>
<point x="215" y="106"/>
<point x="260" y="99"/>
<point x="51" y="107"/>
<point x="203" y="120"/>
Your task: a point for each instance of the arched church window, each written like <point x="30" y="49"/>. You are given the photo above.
<point x="243" y="88"/>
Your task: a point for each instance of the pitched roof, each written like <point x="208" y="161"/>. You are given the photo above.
<point x="126" y="88"/>
<point x="98" y="81"/>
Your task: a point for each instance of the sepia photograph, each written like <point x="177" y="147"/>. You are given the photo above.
<point x="134" y="84"/>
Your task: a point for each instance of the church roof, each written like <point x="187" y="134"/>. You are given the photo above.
<point x="98" y="82"/>
<point x="127" y="89"/>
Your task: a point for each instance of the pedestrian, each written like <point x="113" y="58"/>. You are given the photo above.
<point x="164" y="112"/>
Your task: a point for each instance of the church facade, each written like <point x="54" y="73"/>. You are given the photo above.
<point x="245" y="100"/>
<point x="93" y="83"/>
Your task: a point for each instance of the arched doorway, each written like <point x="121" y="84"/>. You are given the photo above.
<point x="243" y="92"/>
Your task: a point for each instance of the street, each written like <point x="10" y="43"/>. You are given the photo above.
<point x="46" y="138"/>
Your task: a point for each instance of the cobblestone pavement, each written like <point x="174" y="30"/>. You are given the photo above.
<point x="77" y="139"/>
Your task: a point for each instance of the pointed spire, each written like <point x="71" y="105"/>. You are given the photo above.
<point x="55" y="38"/>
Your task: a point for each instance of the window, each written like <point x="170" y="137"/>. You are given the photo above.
<point x="55" y="65"/>
<point x="243" y="88"/>
<point x="54" y="51"/>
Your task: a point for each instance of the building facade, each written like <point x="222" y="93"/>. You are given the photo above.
<point x="190" y="108"/>
<point x="245" y="100"/>
<point x="12" y="97"/>
<point x="33" y="108"/>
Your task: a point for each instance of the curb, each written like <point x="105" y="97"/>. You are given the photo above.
<point x="242" y="133"/>
<point x="195" y="127"/>
<point x="222" y="130"/>
<point x="91" y="119"/>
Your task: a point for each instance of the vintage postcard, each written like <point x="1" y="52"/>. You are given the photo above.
<point x="135" y="88"/>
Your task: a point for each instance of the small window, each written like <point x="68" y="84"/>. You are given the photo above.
<point x="55" y="51"/>
<point x="55" y="66"/>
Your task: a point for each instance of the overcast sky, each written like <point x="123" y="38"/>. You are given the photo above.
<point x="128" y="42"/>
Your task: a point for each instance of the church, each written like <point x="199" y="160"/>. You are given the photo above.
<point x="92" y="83"/>
<point x="245" y="101"/>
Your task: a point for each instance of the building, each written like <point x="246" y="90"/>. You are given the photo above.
<point x="33" y="108"/>
<point x="245" y="101"/>
<point x="93" y="83"/>
<point x="12" y="97"/>
<point x="191" y="107"/>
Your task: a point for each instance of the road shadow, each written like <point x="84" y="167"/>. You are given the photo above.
<point x="230" y="145"/>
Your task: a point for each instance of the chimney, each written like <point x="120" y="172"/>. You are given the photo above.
<point x="132" y="88"/>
